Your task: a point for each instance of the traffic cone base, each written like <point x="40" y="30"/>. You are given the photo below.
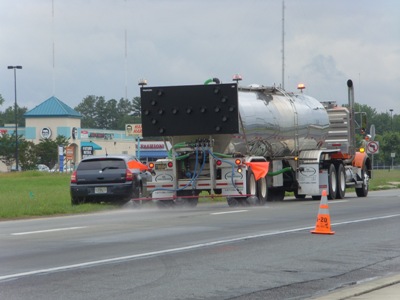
<point x="323" y="224"/>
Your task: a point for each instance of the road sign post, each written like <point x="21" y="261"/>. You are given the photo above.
<point x="373" y="148"/>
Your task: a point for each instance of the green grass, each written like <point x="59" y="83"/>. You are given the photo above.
<point x="34" y="194"/>
<point x="384" y="179"/>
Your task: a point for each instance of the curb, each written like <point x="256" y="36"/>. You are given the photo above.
<point x="361" y="288"/>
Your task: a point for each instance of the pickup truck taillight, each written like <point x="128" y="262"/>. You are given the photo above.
<point x="128" y="175"/>
<point x="73" y="177"/>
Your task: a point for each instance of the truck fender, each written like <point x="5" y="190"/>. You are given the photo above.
<point x="362" y="161"/>
<point x="359" y="159"/>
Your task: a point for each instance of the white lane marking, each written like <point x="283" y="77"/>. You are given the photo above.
<point x="173" y="250"/>
<point x="47" y="230"/>
<point x="367" y="219"/>
<point x="229" y="212"/>
<point x="337" y="201"/>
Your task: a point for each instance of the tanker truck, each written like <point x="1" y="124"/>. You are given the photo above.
<point x="250" y="144"/>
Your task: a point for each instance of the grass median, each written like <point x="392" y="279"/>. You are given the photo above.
<point x="33" y="194"/>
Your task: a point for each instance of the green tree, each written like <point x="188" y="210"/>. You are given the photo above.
<point x="8" y="116"/>
<point x="47" y="150"/>
<point x="7" y="149"/>
<point x="28" y="158"/>
<point x="382" y="123"/>
<point x="389" y="143"/>
<point x="101" y="111"/>
<point x="112" y="114"/>
<point x="124" y="109"/>
<point x="137" y="106"/>
<point x="88" y="112"/>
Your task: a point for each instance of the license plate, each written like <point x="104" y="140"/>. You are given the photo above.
<point x="161" y="167"/>
<point x="100" y="190"/>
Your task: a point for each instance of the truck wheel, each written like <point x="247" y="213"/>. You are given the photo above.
<point x="262" y="190"/>
<point x="332" y="182"/>
<point x="251" y="190"/>
<point x="297" y="196"/>
<point x="193" y="202"/>
<point x="276" y="195"/>
<point x="363" y="190"/>
<point x="251" y="184"/>
<point x="165" y="203"/>
<point x="232" y="202"/>
<point x="341" y="182"/>
<point x="252" y="201"/>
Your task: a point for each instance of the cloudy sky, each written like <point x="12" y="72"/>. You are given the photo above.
<point x="103" y="47"/>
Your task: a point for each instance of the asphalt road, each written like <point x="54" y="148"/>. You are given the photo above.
<point x="209" y="252"/>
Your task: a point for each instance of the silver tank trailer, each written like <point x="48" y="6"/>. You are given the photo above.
<point x="273" y="123"/>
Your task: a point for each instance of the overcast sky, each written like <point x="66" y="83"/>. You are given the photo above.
<point x="103" y="47"/>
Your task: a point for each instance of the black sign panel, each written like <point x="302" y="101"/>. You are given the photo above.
<point x="190" y="110"/>
<point x="86" y="151"/>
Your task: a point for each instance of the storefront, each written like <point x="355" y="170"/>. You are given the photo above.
<point x="151" y="151"/>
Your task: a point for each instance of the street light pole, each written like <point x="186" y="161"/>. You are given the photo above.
<point x="16" y="115"/>
<point x="391" y="118"/>
<point x="391" y="128"/>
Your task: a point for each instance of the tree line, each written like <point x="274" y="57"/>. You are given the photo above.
<point x="112" y="114"/>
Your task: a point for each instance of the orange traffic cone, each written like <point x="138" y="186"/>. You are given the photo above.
<point x="323" y="224"/>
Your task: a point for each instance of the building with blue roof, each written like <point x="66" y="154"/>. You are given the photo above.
<point x="50" y="119"/>
<point x="53" y="117"/>
<point x="52" y="107"/>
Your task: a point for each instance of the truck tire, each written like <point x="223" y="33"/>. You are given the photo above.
<point x="262" y="191"/>
<point x="232" y="202"/>
<point x="251" y="184"/>
<point x="297" y="196"/>
<point x="165" y="203"/>
<point x="276" y="194"/>
<point x="251" y="188"/>
<point x="186" y="198"/>
<point x="332" y="181"/>
<point x="363" y="190"/>
<point x="341" y="182"/>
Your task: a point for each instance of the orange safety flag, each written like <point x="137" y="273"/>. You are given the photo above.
<point x="260" y="169"/>
<point x="133" y="164"/>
